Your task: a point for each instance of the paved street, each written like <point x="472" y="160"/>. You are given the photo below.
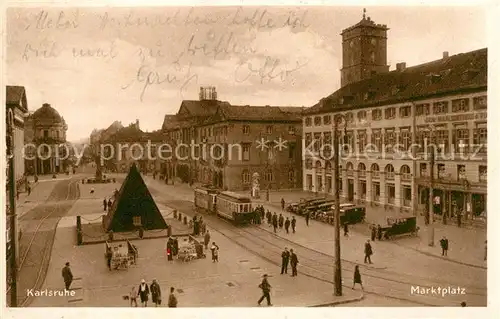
<point x="233" y="281"/>
<point x="415" y="265"/>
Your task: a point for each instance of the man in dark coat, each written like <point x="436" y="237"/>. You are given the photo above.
<point x="368" y="252"/>
<point x="307" y="218"/>
<point x="444" y="246"/>
<point x="379" y="232"/>
<point x="287" y="225"/>
<point x="155" y="293"/>
<point x="105" y="204"/>
<point x="109" y="203"/>
<point x="266" y="290"/>
<point x="293" y="223"/>
<point x="374" y="233"/>
<point x="294" y="261"/>
<point x="285" y="257"/>
<point x="282" y="204"/>
<point x="269" y="218"/>
<point x="281" y="221"/>
<point x="109" y="255"/>
<point x="346" y="229"/>
<point x="67" y="276"/>
<point x="143" y="292"/>
<point x="275" y="221"/>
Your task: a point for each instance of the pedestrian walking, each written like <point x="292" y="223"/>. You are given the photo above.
<point x="379" y="232"/>
<point x="269" y="217"/>
<point x="29" y="190"/>
<point x="285" y="258"/>
<point x="215" y="252"/>
<point x="294" y="261"/>
<point x="357" y="278"/>
<point x="294" y="222"/>
<point x="282" y="204"/>
<point x="67" y="276"/>
<point x="207" y="239"/>
<point x="373" y="233"/>
<point x="155" y="293"/>
<point x="307" y="218"/>
<point x="110" y="202"/>
<point x="109" y="256"/>
<point x="444" y="246"/>
<point x="368" y="252"/>
<point x="105" y="204"/>
<point x="281" y="221"/>
<point x="346" y="230"/>
<point x="266" y="291"/>
<point x="133" y="297"/>
<point x="459" y="219"/>
<point x="287" y="225"/>
<point x="169" y="249"/>
<point x="172" y="299"/>
<point x="17" y="195"/>
<point x="275" y="221"/>
<point x="143" y="293"/>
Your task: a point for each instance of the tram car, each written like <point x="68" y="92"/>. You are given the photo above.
<point x="234" y="207"/>
<point x="205" y="199"/>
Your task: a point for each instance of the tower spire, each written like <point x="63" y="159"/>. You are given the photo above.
<point x="364" y="13"/>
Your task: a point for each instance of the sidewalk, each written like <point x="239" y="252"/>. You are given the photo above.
<point x="466" y="244"/>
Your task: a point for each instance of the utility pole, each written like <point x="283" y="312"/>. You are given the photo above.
<point x="13" y="214"/>
<point x="431" y="197"/>
<point x="337" y="276"/>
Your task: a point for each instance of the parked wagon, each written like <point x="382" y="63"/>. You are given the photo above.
<point x="122" y="255"/>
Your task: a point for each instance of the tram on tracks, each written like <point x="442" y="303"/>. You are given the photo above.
<point x="225" y="204"/>
<point x="205" y="199"/>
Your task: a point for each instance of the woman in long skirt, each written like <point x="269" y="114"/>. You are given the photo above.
<point x="357" y="278"/>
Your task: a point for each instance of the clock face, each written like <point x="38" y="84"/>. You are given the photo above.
<point x="374" y="41"/>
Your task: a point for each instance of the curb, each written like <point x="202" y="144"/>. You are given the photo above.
<point x="341" y="302"/>
<point x="450" y="260"/>
<point x="323" y="253"/>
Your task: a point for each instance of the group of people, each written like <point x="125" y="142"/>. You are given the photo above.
<point x="286" y="258"/>
<point x="199" y="226"/>
<point x="172" y="248"/>
<point x="154" y="290"/>
<point x="376" y="232"/>
<point x="107" y="204"/>
<point x="279" y="221"/>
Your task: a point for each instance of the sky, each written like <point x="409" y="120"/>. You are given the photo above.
<point x="98" y="65"/>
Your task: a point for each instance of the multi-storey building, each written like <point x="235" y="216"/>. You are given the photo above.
<point x="390" y="118"/>
<point x="17" y="103"/>
<point x="46" y="155"/>
<point x="226" y="140"/>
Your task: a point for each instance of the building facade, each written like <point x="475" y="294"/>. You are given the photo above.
<point x="227" y="144"/>
<point x="16" y="102"/>
<point x="388" y="122"/>
<point x="46" y="153"/>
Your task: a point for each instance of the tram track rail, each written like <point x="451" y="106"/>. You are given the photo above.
<point x="319" y="265"/>
<point x="46" y="217"/>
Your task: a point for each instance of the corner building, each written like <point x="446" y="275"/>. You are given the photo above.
<point x="389" y="118"/>
<point x="227" y="137"/>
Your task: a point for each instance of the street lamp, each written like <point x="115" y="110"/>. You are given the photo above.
<point x="13" y="214"/>
<point x="337" y="276"/>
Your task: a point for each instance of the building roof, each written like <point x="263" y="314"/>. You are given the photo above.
<point x="454" y="74"/>
<point x="16" y="95"/>
<point x="128" y="133"/>
<point x="199" y="108"/>
<point x="47" y="112"/>
<point x="259" y="113"/>
<point x="133" y="199"/>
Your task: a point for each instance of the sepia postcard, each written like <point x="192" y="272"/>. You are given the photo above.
<point x="246" y="155"/>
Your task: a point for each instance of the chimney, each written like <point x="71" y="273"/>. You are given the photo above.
<point x="445" y="54"/>
<point x="401" y="66"/>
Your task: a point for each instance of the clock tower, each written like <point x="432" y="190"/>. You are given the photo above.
<point x="364" y="51"/>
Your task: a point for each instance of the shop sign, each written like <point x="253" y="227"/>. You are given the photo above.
<point x="456" y="117"/>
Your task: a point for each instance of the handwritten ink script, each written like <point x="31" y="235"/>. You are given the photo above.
<point x="171" y="49"/>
